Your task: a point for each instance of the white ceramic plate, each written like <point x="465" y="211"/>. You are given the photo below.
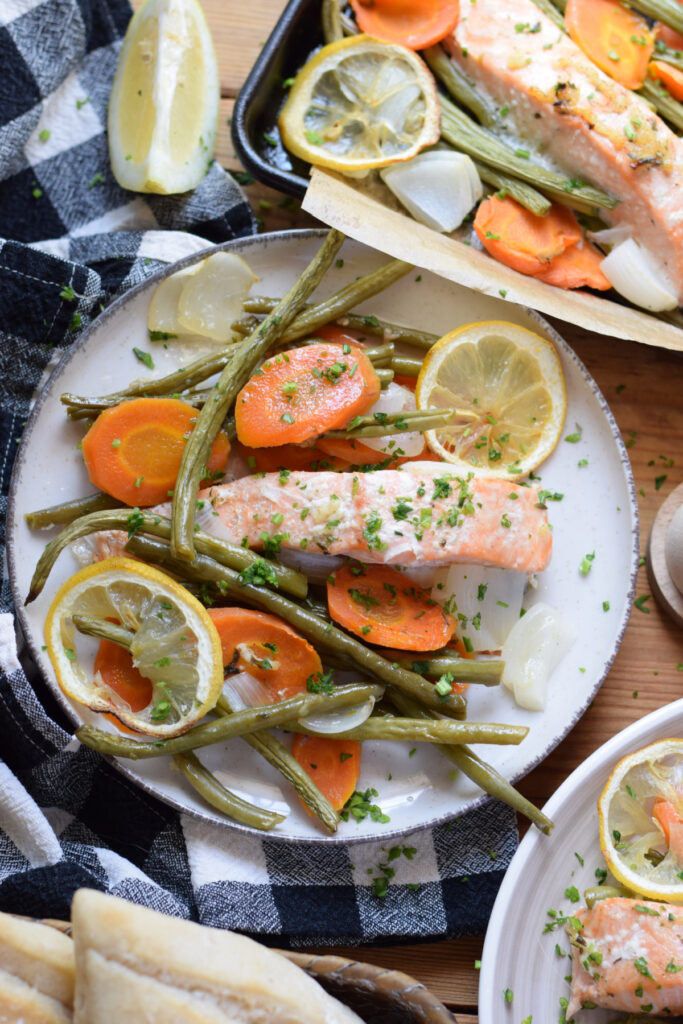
<point x="598" y="513"/>
<point x="517" y="954"/>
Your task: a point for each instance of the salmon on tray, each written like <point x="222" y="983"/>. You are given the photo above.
<point x="569" y="111"/>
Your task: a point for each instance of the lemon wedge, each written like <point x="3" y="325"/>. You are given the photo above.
<point x="360" y="103"/>
<point x="174" y="644"/>
<point x="633" y="842"/>
<point x="507" y="386"/>
<point x="163" y="108"/>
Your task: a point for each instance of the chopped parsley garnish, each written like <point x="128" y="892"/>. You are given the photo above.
<point x="586" y="563"/>
<point x="576" y="437"/>
<point x="135" y="522"/>
<point x="260" y="574"/>
<point x="144" y="357"/>
<point x="359" y="806"/>
<point x="320" y="682"/>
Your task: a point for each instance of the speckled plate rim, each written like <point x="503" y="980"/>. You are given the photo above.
<point x="344" y="838"/>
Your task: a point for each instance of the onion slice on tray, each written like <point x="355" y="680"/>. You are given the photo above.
<point x="439" y="187"/>
<point x="635" y="274"/>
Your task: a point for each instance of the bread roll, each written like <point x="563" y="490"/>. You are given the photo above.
<point x="136" y="965"/>
<point x="36" y="973"/>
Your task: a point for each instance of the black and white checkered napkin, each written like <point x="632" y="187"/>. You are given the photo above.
<point x="67" y="818"/>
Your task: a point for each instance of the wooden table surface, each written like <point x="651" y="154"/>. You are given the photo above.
<point x="644" y="388"/>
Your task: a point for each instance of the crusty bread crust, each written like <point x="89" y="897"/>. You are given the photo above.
<point x="201" y="975"/>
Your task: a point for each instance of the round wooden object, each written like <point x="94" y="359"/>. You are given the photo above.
<point x="665" y="590"/>
<point x="377" y="995"/>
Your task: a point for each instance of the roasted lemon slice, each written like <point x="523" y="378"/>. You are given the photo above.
<point x="174" y="644"/>
<point x="163" y="108"/>
<point x="641" y="821"/>
<point x="361" y="103"/>
<point x="508" y="388"/>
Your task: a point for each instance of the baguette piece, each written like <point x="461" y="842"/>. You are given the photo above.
<point x="136" y="965"/>
<point x="36" y="973"/>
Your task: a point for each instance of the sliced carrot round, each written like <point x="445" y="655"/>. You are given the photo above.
<point x="290" y="457"/>
<point x="411" y="23"/>
<point x="521" y="239"/>
<point x="385" y="608"/>
<point x="267" y="648"/>
<point x="669" y="76"/>
<point x="334" y="765"/>
<point x="300" y="394"/>
<point x="577" y="267"/>
<point x="354" y="452"/>
<point x="115" y="666"/>
<point x="615" y="38"/>
<point x="133" y="450"/>
<point x="669" y="36"/>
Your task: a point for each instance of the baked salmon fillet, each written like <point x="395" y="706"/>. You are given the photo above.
<point x="419" y="515"/>
<point x="627" y="955"/>
<point x="575" y="118"/>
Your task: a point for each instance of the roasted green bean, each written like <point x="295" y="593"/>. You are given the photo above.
<point x="459" y="86"/>
<point x="395" y="423"/>
<point x="528" y="197"/>
<point x="103" y="630"/>
<point x="367" y="323"/>
<point x="345" y="299"/>
<point x="603" y="892"/>
<point x="663" y="102"/>
<point x="462" y="670"/>
<point x="280" y="758"/>
<point x="180" y="380"/>
<point x="464" y="134"/>
<point x="406" y="366"/>
<point x="61" y="515"/>
<point x="215" y="793"/>
<point x="325" y="635"/>
<point x="133" y="520"/>
<point x="241" y="723"/>
<point x="481" y="773"/>
<point x="331" y="21"/>
<point x="372" y="325"/>
<point x="441" y="730"/>
<point x="232" y="379"/>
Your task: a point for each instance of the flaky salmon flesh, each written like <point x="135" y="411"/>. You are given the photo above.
<point x="572" y="116"/>
<point x="419" y="515"/>
<point x="627" y="955"/>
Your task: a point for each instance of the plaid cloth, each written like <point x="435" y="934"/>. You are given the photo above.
<point x="67" y="817"/>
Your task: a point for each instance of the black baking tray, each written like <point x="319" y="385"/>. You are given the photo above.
<point x="255" y="134"/>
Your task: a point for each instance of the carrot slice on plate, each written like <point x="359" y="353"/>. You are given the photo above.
<point x="334" y="765"/>
<point x="666" y="816"/>
<point x="521" y="239"/>
<point x="354" y="452"/>
<point x="300" y="394"/>
<point x="290" y="457"/>
<point x="577" y="267"/>
<point x="615" y="38"/>
<point x="133" y="450"/>
<point x="115" y="665"/>
<point x="669" y="76"/>
<point x="385" y="608"/>
<point x="267" y="648"/>
<point x="669" y="36"/>
<point x="410" y="23"/>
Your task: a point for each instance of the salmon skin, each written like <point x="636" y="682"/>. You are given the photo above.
<point x="627" y="955"/>
<point x="563" y="107"/>
<point x="419" y="515"/>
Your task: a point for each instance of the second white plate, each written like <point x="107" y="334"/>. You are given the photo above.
<point x="518" y="954"/>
